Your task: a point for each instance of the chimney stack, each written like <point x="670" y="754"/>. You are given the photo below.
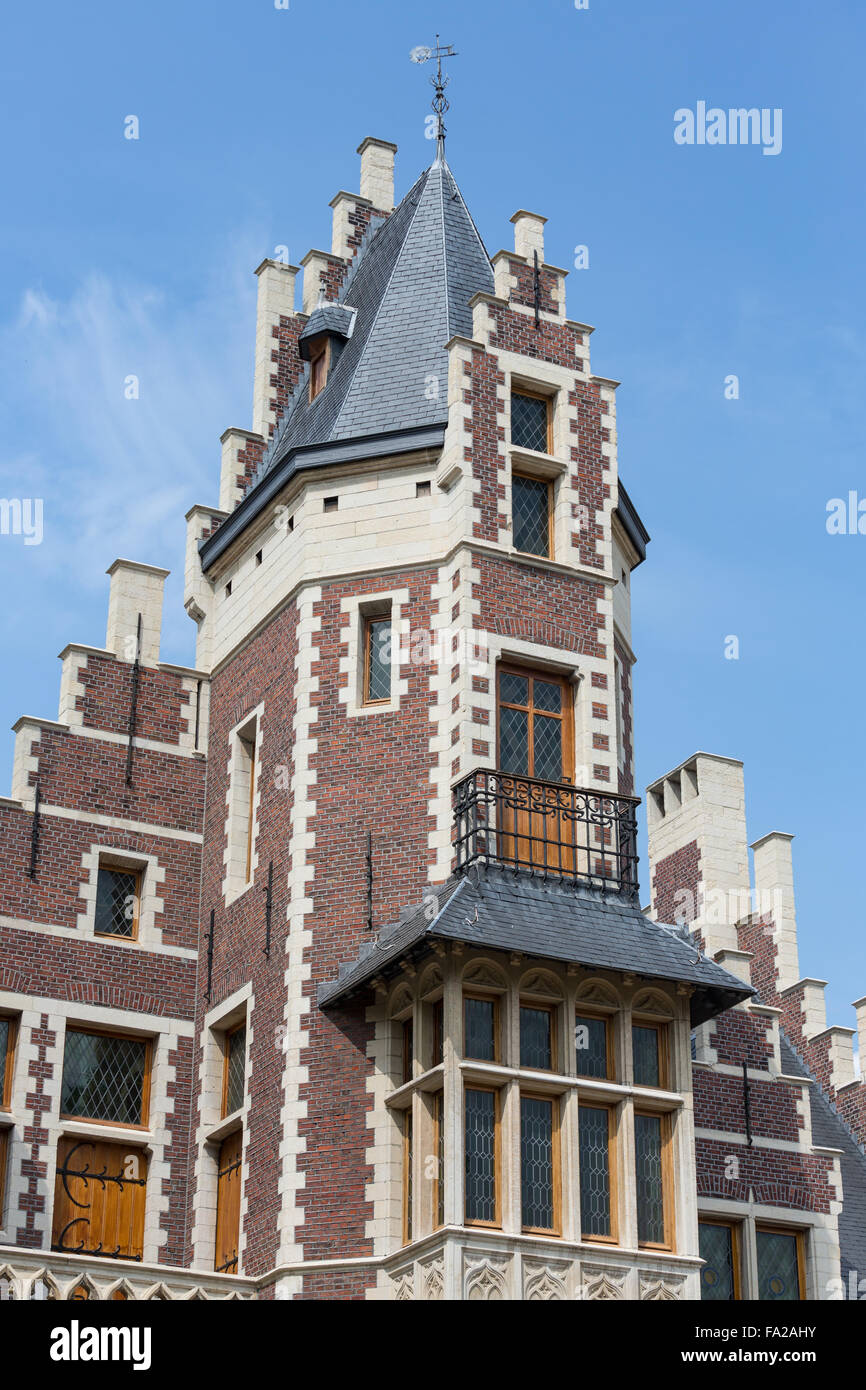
<point x="135" y="589"/>
<point x="529" y="234"/>
<point x="276" y="298"/>
<point x="377" y="172"/>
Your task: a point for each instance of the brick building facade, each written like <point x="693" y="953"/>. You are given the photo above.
<point x="322" y="973"/>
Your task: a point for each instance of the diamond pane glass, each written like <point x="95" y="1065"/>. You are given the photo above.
<point x="536" y="1162"/>
<point x="594" y="1172"/>
<point x="717" y="1275"/>
<point x="480" y="1029"/>
<point x="590" y="1037"/>
<point x="650" y="1185"/>
<point x="480" y="1156"/>
<point x="536" y="1027"/>
<point x="514" y="690"/>
<point x="778" y="1267"/>
<point x="116" y="900"/>
<point x="530" y="498"/>
<point x="103" y="1077"/>
<point x="236" y="1057"/>
<point x="547" y="696"/>
<point x="547" y="748"/>
<point x="645" y="1046"/>
<point x="514" y="741"/>
<point x="379" y="659"/>
<point x="529" y="422"/>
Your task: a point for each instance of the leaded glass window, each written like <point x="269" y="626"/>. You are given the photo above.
<point x="7" y="1041"/>
<point x="530" y="417"/>
<point x="117" y="893"/>
<point x="590" y="1042"/>
<point x="438" y="1049"/>
<point x="779" y="1279"/>
<point x="103" y="1077"/>
<point x="719" y="1274"/>
<point x="594" y="1146"/>
<point x="536" y="1037"/>
<point x="377" y="676"/>
<point x="530" y="514"/>
<point x="480" y="1018"/>
<point x="646" y="1050"/>
<point x="235" y="1064"/>
<point x="649" y="1176"/>
<point x="537" y="1179"/>
<point x="480" y="1132"/>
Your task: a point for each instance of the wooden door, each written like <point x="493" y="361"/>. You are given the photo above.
<point x="535" y="733"/>
<point x="228" y="1204"/>
<point x="99" y="1199"/>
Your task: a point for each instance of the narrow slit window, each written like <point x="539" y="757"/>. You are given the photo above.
<point x="244" y="801"/>
<point x="531" y="514"/>
<point x="438" y="1048"/>
<point x="377" y="660"/>
<point x="8" y="1035"/>
<point x="118" y="897"/>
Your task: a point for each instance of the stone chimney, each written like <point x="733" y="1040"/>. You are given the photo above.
<point x="135" y="588"/>
<point x="529" y="234"/>
<point x="377" y="172"/>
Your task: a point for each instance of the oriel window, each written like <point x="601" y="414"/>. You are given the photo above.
<point x="652" y="1177"/>
<point x="481" y="1131"/>
<point x="649" y="1051"/>
<point x="538" y="1036"/>
<point x="481" y="1028"/>
<point x="592" y="1047"/>
<point x="597" y="1207"/>
<point x="539" y="1163"/>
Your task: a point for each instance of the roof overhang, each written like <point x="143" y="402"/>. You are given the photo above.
<point x="626" y="514"/>
<point x="307" y="458"/>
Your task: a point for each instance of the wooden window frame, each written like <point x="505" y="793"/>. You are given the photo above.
<point x="438" y="1194"/>
<point x="735" y="1228"/>
<point x="369" y="620"/>
<point x="662" y="1028"/>
<point x="407" y="1048"/>
<point x="613" y="1173"/>
<point x="9" y="1069"/>
<point x="117" y="867"/>
<point x="406" y="1126"/>
<point x="145" y="1082"/>
<point x="496" y="1223"/>
<point x="320" y="354"/>
<point x="234" y="1134"/>
<point x="227" y="1035"/>
<point x="552" y="1011"/>
<point x="610" y="1058"/>
<point x="549" y="484"/>
<point x="556" y="1146"/>
<point x="777" y="1229"/>
<point x="530" y="394"/>
<point x="668" y="1209"/>
<point x="566" y="717"/>
<point x="493" y="999"/>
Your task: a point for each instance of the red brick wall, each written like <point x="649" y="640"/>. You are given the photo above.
<point x="676" y="873"/>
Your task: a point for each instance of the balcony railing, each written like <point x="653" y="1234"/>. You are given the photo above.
<point x="549" y="828"/>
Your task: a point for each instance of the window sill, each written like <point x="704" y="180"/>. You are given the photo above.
<point x="537" y="464"/>
<point x="555" y="1083"/>
<point x="102" y="1129"/>
<point x="432" y="1080"/>
<point x="224" y="1127"/>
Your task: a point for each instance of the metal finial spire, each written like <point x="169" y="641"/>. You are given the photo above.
<point x="440" y="102"/>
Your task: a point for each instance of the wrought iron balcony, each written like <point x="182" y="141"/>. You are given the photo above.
<point x="548" y="828"/>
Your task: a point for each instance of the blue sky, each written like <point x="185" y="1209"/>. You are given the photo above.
<point x="123" y="257"/>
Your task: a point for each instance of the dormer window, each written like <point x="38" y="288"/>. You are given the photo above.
<point x="319" y="368"/>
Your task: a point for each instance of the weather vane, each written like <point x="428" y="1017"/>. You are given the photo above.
<point x="440" y="102"/>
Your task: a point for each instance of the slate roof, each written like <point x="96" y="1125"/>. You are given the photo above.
<point x="514" y="911"/>
<point x="329" y="318"/>
<point x="411" y="286"/>
<point x="831" y="1131"/>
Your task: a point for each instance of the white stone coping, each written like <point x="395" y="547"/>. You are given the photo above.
<point x="138" y="565"/>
